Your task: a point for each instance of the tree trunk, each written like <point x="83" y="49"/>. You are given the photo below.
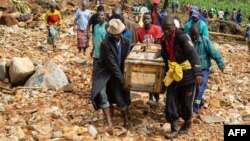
<point x="165" y="5"/>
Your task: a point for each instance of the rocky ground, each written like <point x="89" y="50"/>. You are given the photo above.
<point x="31" y="113"/>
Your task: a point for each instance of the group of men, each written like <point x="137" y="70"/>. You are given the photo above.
<point x="191" y="50"/>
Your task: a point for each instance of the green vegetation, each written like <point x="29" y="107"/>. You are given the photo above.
<point x="221" y="4"/>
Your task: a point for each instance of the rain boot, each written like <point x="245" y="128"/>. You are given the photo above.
<point x="174" y="130"/>
<point x="186" y="126"/>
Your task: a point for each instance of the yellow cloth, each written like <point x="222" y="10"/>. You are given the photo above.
<point x="53" y="16"/>
<point x="175" y="72"/>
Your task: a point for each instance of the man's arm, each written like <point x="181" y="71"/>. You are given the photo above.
<point x="214" y="53"/>
<point x="191" y="54"/>
<point x="90" y="23"/>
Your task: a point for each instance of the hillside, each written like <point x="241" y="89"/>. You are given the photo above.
<point x="224" y="4"/>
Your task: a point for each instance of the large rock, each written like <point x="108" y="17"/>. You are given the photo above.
<point x="5" y="4"/>
<point x="8" y="20"/>
<point x="20" y="70"/>
<point x="50" y="76"/>
<point x="3" y="69"/>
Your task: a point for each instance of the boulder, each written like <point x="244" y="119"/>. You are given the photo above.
<point x="8" y="20"/>
<point x="3" y="69"/>
<point x="49" y="76"/>
<point x="5" y="4"/>
<point x="20" y="70"/>
<point x="24" y="17"/>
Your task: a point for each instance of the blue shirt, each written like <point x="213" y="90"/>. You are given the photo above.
<point x="99" y="35"/>
<point x="119" y="52"/>
<point x="248" y="33"/>
<point x="82" y="17"/>
<point x="126" y="33"/>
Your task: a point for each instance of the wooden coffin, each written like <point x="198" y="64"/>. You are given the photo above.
<point x="142" y="71"/>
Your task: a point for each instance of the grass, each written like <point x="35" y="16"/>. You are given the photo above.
<point x="243" y="5"/>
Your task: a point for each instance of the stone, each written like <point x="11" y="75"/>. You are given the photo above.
<point x="2" y="109"/>
<point x="63" y="47"/>
<point x="20" y="70"/>
<point x="166" y="127"/>
<point x="211" y="119"/>
<point x="57" y="134"/>
<point x="70" y="133"/>
<point x="8" y="20"/>
<point x="68" y="88"/>
<point x="54" y="111"/>
<point x="49" y="76"/>
<point x="3" y="69"/>
<point x="215" y="103"/>
<point x="22" y="24"/>
<point x="20" y="133"/>
<point x="24" y="17"/>
<point x="92" y="130"/>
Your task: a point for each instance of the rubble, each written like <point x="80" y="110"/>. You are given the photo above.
<point x="65" y="112"/>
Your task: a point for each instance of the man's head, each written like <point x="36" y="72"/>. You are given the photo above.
<point x="195" y="16"/>
<point x="168" y="25"/>
<point x="115" y="28"/>
<point x="194" y="32"/>
<point x="52" y="6"/>
<point x="84" y="4"/>
<point x="147" y="19"/>
<point x="117" y="11"/>
<point x="101" y="16"/>
<point x="100" y="8"/>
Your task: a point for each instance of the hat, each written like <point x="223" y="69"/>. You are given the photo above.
<point x="115" y="26"/>
<point x="156" y="1"/>
<point x="52" y="5"/>
<point x="195" y="8"/>
<point x="163" y="13"/>
<point x="195" y="14"/>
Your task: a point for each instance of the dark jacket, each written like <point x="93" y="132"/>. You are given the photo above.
<point x="183" y="50"/>
<point x="107" y="66"/>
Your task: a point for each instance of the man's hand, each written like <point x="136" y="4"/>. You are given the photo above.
<point x="199" y="80"/>
<point x="126" y="86"/>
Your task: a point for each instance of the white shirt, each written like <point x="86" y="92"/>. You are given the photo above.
<point x="221" y="14"/>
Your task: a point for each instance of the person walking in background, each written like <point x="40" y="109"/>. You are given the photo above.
<point x="221" y="14"/>
<point x="226" y="15"/>
<point x="82" y="18"/>
<point x="53" y="21"/>
<point x="248" y="37"/>
<point x="155" y="12"/>
<point x="150" y="33"/>
<point x="239" y="17"/>
<point x="93" y="21"/>
<point x="203" y="29"/>
<point x="206" y="51"/>
<point x="99" y="35"/>
<point x="234" y="15"/>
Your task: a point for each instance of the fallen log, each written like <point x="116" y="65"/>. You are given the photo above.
<point x="238" y="37"/>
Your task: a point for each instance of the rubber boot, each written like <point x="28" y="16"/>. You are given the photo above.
<point x="174" y="130"/>
<point x="185" y="127"/>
